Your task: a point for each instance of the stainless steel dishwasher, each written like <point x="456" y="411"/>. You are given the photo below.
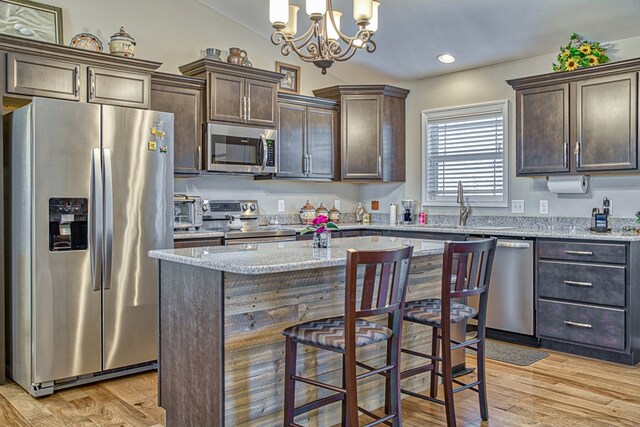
<point x="511" y="297"/>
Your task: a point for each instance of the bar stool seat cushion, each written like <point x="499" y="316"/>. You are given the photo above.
<point x="429" y="312"/>
<point x="329" y="333"/>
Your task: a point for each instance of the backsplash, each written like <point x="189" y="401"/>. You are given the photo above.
<point x="551" y="223"/>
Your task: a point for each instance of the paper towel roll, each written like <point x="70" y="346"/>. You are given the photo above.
<point x="393" y="213"/>
<point x="568" y="184"/>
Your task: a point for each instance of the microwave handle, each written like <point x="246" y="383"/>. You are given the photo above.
<point x="264" y="152"/>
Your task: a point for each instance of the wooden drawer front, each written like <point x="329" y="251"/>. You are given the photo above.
<point x="35" y="76"/>
<point x="598" y="284"/>
<point x="118" y="88"/>
<point x="591" y="252"/>
<point x="196" y="243"/>
<point x="352" y="233"/>
<point x="582" y="324"/>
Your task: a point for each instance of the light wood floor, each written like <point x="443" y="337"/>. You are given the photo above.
<point x="560" y="390"/>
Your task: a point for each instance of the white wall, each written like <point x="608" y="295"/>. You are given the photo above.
<point x="488" y="84"/>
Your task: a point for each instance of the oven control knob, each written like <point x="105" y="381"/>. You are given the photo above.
<point x="245" y="206"/>
<point x="205" y="207"/>
<point x="252" y="207"/>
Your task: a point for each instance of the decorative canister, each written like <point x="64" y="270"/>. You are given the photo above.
<point x="360" y="211"/>
<point x="366" y="218"/>
<point x="334" y="215"/>
<point x="322" y="210"/>
<point x="236" y="56"/>
<point x="307" y="213"/>
<point x="122" y="44"/>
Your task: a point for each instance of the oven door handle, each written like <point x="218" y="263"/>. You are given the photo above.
<point x="264" y="152"/>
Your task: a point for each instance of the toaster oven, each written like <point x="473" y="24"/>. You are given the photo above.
<point x="187" y="212"/>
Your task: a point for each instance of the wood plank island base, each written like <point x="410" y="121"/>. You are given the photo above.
<point x="222" y="313"/>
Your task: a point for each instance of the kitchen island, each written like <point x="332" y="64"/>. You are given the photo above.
<point x="222" y="313"/>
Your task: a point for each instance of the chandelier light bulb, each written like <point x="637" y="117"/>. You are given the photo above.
<point x="362" y="11"/>
<point x="332" y="32"/>
<point x="316" y="8"/>
<point x="373" y="22"/>
<point x="278" y="12"/>
<point x="292" y="25"/>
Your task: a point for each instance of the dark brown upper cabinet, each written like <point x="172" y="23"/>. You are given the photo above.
<point x="182" y="96"/>
<point x="237" y="94"/>
<point x="307" y="137"/>
<point x="372" y="130"/>
<point x="61" y="72"/>
<point x="583" y="121"/>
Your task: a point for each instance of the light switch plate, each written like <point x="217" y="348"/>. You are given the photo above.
<point x="336" y="203"/>
<point x="544" y="207"/>
<point x="280" y="205"/>
<point x="517" y="206"/>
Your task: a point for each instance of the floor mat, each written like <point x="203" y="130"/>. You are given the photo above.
<point x="514" y="354"/>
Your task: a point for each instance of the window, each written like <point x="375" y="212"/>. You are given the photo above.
<point x="465" y="144"/>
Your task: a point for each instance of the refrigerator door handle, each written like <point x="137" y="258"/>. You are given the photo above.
<point x="108" y="214"/>
<point x="96" y="220"/>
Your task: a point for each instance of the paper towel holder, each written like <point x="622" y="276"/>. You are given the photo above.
<point x="585" y="180"/>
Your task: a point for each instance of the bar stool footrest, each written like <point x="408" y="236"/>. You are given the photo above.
<point x="422" y="396"/>
<point x="338" y="397"/>
<point x="378" y="420"/>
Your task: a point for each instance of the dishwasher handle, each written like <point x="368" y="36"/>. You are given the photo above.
<point x="514" y="245"/>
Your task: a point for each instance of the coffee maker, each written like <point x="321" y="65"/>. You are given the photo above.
<point x="409" y="211"/>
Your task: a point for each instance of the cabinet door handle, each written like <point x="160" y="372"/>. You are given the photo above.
<point x="565" y="160"/>
<point x="310" y="164"/>
<point x="244" y="108"/>
<point x="586" y="253"/>
<point x="578" y="324"/>
<point x="248" y="108"/>
<point x="92" y="84"/>
<point x="379" y="165"/>
<point x="77" y="76"/>
<point x="199" y="157"/>
<point x="576" y="152"/>
<point x="574" y="283"/>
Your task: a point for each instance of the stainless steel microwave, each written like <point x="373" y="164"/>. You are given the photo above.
<point x="241" y="149"/>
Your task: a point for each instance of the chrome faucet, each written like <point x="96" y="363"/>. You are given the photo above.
<point x="465" y="210"/>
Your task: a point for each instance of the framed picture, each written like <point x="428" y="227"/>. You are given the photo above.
<point x="31" y="20"/>
<point x="291" y="80"/>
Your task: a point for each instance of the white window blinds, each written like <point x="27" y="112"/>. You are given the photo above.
<point x="466" y="144"/>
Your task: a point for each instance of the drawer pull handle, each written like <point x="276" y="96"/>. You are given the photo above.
<point x="587" y="253"/>
<point x="573" y="283"/>
<point x="577" y="324"/>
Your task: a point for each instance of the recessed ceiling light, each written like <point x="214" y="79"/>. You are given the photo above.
<point x="446" y="58"/>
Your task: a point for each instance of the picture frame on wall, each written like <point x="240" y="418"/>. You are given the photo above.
<point x="291" y="80"/>
<point x="31" y="20"/>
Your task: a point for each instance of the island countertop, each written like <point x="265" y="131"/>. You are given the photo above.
<point x="276" y="257"/>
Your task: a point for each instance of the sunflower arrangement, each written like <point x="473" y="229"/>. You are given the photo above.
<point x="579" y="53"/>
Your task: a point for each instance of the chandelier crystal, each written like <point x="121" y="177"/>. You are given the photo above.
<point x="323" y="43"/>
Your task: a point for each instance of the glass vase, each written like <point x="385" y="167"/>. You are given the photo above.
<point x="322" y="240"/>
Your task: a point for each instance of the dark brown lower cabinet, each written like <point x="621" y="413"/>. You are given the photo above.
<point x="196" y="243"/>
<point x="588" y="298"/>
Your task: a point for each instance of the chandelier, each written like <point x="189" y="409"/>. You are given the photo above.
<point x="323" y="43"/>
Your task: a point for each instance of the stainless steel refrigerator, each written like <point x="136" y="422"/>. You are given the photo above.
<point x="89" y="194"/>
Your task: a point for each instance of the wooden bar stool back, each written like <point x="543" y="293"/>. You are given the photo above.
<point x="466" y="272"/>
<point x="384" y="277"/>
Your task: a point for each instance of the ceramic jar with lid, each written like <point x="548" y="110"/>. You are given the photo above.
<point x="122" y="44"/>
<point x="334" y="215"/>
<point x="322" y="210"/>
<point x="307" y="213"/>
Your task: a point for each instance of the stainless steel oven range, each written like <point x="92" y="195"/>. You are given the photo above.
<point x="220" y="212"/>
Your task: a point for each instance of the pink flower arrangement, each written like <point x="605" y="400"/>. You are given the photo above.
<point x="320" y="224"/>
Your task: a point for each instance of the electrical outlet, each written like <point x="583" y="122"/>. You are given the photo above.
<point x="336" y="203"/>
<point x="280" y="205"/>
<point x="517" y="206"/>
<point x="544" y="207"/>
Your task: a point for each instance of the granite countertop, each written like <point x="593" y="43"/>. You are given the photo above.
<point x="533" y="232"/>
<point x="575" y="233"/>
<point x="263" y="258"/>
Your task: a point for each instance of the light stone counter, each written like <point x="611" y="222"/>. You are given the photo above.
<point x="264" y="258"/>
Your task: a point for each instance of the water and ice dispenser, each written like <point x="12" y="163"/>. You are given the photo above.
<point x="68" y="226"/>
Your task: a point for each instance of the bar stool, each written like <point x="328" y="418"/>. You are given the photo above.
<point x="388" y="271"/>
<point x="466" y="272"/>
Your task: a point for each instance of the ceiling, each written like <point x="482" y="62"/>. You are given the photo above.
<point x="477" y="32"/>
